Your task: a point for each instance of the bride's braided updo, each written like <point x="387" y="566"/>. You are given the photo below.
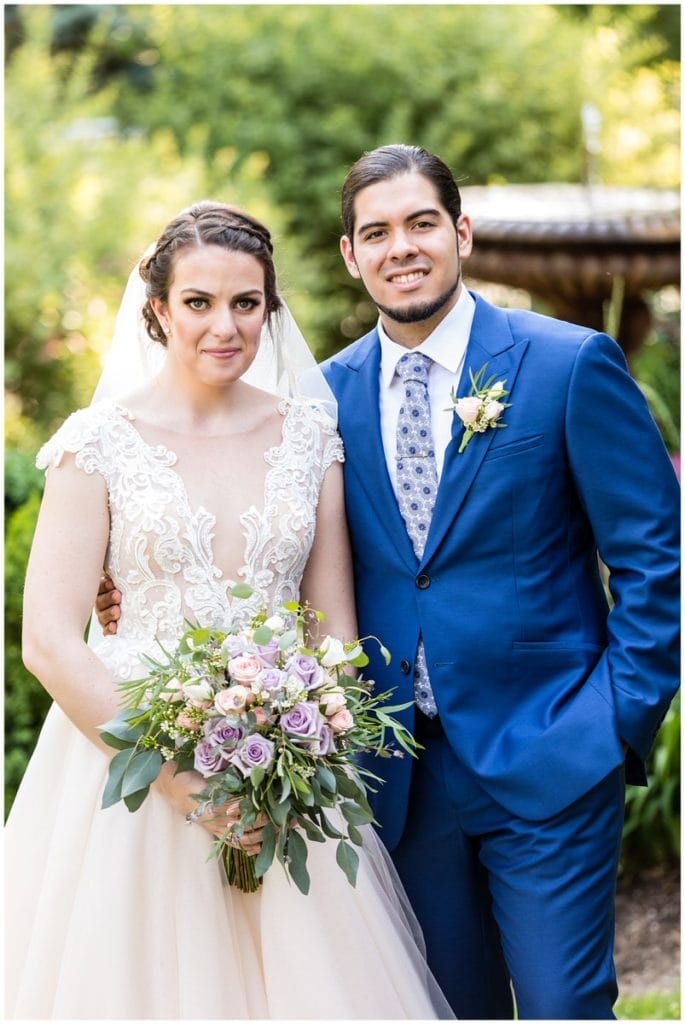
<point x="206" y="223"/>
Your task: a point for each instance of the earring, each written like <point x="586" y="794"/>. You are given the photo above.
<point x="166" y="329"/>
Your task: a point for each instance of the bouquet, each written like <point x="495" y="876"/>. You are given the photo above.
<point x="267" y="721"/>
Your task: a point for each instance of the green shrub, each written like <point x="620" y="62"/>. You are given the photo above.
<point x="26" y="702"/>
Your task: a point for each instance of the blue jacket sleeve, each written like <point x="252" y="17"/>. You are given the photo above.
<point x="627" y="485"/>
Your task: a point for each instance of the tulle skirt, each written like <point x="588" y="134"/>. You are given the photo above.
<point x="111" y="914"/>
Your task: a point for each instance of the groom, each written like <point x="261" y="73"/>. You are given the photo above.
<point x="475" y="548"/>
<point x="476" y="564"/>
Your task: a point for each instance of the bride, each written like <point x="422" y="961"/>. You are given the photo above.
<point x="192" y="482"/>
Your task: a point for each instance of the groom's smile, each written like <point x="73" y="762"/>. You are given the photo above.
<point x="407" y="251"/>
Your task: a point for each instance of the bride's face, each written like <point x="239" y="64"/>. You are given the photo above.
<point x="214" y="313"/>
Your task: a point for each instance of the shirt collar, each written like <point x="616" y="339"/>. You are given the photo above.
<point x="445" y="345"/>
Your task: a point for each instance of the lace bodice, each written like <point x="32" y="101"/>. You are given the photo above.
<point x="160" y="552"/>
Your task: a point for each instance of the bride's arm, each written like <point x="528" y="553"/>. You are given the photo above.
<point x="327" y="583"/>
<point x="68" y="549"/>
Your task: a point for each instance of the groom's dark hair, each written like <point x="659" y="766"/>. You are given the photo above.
<point x="388" y="162"/>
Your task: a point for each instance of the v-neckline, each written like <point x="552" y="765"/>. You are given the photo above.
<point x="167" y="456"/>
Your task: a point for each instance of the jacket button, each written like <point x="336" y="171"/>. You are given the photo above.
<point x="423" y="581"/>
<point x="405" y="667"/>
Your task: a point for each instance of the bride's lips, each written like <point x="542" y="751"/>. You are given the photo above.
<point x="221" y="353"/>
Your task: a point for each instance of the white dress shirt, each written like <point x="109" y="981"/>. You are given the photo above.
<point x="446" y="346"/>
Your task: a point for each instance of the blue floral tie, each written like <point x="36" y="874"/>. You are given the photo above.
<point x="417" y="483"/>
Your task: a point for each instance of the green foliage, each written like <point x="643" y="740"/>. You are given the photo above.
<point x="649" y="1006"/>
<point x="26" y="702"/>
<point x="651" y="834"/>
<point x="22" y="479"/>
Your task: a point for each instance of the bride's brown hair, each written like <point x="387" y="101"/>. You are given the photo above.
<point x="206" y="223"/>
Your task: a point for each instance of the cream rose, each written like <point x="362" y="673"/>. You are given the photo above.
<point x="341" y="721"/>
<point x="467" y="409"/>
<point x="332" y="701"/>
<point x="232" y="699"/>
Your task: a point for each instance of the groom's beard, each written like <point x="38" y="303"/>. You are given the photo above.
<point x="422" y="310"/>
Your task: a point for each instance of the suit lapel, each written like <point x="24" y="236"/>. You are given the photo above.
<point x="490" y="343"/>
<point x="359" y="418"/>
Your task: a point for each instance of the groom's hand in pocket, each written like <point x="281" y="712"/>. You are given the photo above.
<point x="107" y="605"/>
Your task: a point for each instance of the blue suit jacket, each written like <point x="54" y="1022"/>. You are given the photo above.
<point x="536" y="683"/>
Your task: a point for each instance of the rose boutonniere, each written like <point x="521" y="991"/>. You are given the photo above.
<point x="483" y="406"/>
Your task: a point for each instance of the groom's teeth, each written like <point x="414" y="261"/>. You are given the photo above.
<point x="408" y="278"/>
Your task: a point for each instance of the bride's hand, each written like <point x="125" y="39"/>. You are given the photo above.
<point x="179" y="789"/>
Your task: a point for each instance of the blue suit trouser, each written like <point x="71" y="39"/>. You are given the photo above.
<point x="500" y="897"/>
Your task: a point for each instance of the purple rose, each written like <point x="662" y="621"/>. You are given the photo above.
<point x="271" y="679"/>
<point x="224" y="732"/>
<point x="268" y="653"/>
<point x="210" y="759"/>
<point x="307" y="669"/>
<point x="304" y="721"/>
<point x="255" y="752"/>
<point x="325" y="744"/>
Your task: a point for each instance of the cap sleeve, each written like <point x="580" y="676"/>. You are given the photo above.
<point x="82" y="435"/>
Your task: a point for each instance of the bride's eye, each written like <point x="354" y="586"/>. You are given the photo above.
<point x="197" y="303"/>
<point x="245" y="305"/>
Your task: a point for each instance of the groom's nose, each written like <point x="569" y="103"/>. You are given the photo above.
<point x="402" y="244"/>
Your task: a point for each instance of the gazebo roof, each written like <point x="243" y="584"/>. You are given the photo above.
<point x="568" y="214"/>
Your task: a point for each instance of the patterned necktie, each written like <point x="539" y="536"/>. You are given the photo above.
<point x="417" y="483"/>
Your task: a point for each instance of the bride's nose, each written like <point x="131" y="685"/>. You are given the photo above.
<point x="223" y="324"/>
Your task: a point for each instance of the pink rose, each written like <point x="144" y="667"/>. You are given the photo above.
<point x="233" y="699"/>
<point x="245" y="668"/>
<point x="467" y="409"/>
<point x="184" y="721"/>
<point x="341" y="721"/>
<point x="261" y="716"/>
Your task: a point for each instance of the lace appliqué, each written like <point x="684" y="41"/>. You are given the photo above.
<point x="160" y="551"/>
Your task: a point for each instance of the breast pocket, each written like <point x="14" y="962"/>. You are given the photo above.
<point x="524" y="444"/>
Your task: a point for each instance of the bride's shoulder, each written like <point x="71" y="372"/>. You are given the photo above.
<point x="82" y="428"/>
<point x="310" y="411"/>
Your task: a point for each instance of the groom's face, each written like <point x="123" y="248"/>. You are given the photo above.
<point x="407" y="251"/>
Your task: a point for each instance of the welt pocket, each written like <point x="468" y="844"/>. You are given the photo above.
<point x="556" y="645"/>
<point x="514" y="447"/>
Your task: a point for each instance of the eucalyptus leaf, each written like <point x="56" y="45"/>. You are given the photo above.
<point x="354" y="814"/>
<point x="297" y="860"/>
<point x="265" y="856"/>
<point x="348" y="859"/>
<point x="256" y="776"/>
<point x="355" y="835"/>
<point x="278" y="812"/>
<point x="313" y="831"/>
<point x="243" y="590"/>
<point x="326" y="778"/>
<point x="330" y="830"/>
<point x="263" y="634"/>
<point x="117" y="767"/>
<point x="134" y="800"/>
<point x="288" y="639"/>
<point x="143" y="768"/>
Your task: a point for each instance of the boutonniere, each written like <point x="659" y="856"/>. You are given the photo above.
<point x="483" y="406"/>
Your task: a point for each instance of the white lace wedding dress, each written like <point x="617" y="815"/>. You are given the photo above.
<point x="111" y="914"/>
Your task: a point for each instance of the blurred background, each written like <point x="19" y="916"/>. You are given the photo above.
<point x="561" y="123"/>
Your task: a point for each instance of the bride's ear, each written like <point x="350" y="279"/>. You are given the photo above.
<point x="160" y="310"/>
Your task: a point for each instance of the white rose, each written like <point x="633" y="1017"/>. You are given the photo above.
<point x="276" y="623"/>
<point x="493" y="411"/>
<point x="201" y="689"/>
<point x="172" y="690"/>
<point x="333" y="652"/>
